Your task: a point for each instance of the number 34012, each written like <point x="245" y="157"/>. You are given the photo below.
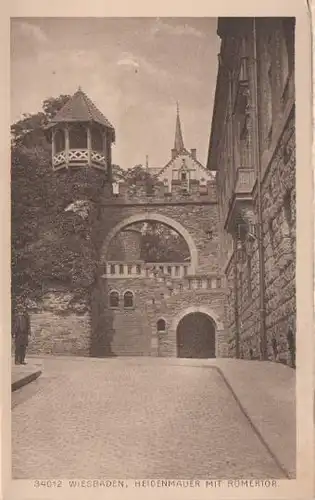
<point x="48" y="484"/>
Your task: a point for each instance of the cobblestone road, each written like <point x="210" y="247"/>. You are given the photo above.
<point x="119" y="418"/>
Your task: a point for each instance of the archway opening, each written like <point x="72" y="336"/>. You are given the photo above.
<point x="177" y="227"/>
<point x="148" y="241"/>
<point x="196" y="336"/>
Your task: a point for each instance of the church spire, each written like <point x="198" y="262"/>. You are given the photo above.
<point x="179" y="142"/>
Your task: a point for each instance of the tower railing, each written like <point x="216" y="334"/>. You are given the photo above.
<point x="79" y="157"/>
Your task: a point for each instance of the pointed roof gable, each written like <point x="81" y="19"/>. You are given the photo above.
<point x="179" y="142"/>
<point x="80" y="108"/>
<point x="185" y="153"/>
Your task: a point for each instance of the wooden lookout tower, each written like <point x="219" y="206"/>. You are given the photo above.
<point x="81" y="135"/>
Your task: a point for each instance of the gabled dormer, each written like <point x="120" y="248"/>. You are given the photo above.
<point x="184" y="170"/>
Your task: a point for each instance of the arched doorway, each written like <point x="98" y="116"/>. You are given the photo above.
<point x="195" y="336"/>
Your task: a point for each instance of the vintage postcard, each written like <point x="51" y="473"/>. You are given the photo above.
<point x="159" y="297"/>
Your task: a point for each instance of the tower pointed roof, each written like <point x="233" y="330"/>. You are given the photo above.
<point x="80" y="108"/>
<point x="179" y="142"/>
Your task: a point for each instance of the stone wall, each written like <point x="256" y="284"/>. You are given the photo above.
<point x="61" y="323"/>
<point x="270" y="153"/>
<point x="279" y="215"/>
<point x="159" y="193"/>
<point x="134" y="331"/>
<point x="279" y="226"/>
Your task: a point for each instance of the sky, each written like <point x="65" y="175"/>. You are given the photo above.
<point x="133" y="69"/>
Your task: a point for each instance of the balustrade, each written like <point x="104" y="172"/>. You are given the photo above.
<point x="78" y="157"/>
<point x="175" y="276"/>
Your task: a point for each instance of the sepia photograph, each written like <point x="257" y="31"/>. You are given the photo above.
<point x="153" y="251"/>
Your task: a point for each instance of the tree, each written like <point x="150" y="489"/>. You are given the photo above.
<point x="118" y="173"/>
<point x="162" y="244"/>
<point x="138" y="174"/>
<point x="29" y="131"/>
<point x="47" y="241"/>
<point x="54" y="104"/>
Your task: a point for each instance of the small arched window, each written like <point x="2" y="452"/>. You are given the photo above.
<point x="114" y="299"/>
<point x="161" y="325"/>
<point x="128" y="300"/>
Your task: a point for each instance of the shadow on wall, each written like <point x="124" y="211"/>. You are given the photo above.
<point x="102" y="320"/>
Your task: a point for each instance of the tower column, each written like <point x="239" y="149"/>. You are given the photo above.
<point x="89" y="144"/>
<point x="105" y="145"/>
<point x="67" y="145"/>
<point x="53" y="144"/>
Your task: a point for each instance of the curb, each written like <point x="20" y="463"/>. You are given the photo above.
<point x="253" y="426"/>
<point x="25" y="380"/>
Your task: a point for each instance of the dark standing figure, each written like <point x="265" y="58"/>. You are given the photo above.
<point x="275" y="348"/>
<point x="291" y="345"/>
<point x="22" y="330"/>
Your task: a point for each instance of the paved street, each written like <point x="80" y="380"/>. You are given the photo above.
<point x="133" y="418"/>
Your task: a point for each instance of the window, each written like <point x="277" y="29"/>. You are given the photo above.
<point x="114" y="299"/>
<point x="288" y="217"/>
<point x="249" y="277"/>
<point x="269" y="86"/>
<point x="287" y="207"/>
<point x="169" y="270"/>
<point x="128" y="300"/>
<point x="183" y="176"/>
<point x="271" y="234"/>
<point x="161" y="325"/>
<point x="138" y="269"/>
<point x="121" y="269"/>
<point x="112" y="269"/>
<point x="288" y="27"/>
<point x="176" y="270"/>
<point x="129" y="269"/>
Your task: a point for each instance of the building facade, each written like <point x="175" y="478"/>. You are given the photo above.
<point x="135" y="307"/>
<point x="252" y="148"/>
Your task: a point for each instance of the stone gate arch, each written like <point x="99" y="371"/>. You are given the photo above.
<point x="203" y="310"/>
<point x="156" y="217"/>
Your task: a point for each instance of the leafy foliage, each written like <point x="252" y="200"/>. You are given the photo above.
<point x="158" y="243"/>
<point x="48" y="242"/>
<point x="30" y="132"/>
<point x="161" y="244"/>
